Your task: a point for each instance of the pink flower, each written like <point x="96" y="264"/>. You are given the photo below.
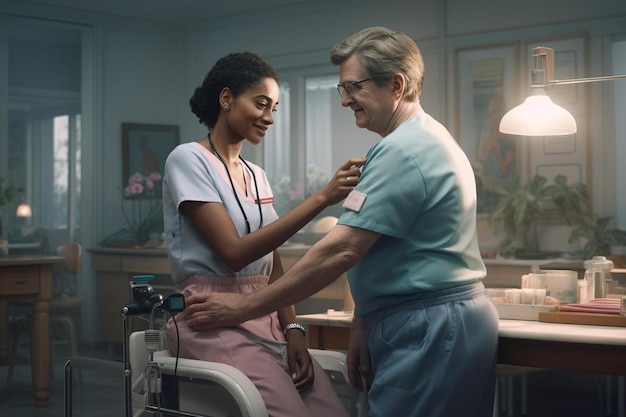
<point x="136" y="178"/>
<point x="141" y="205"/>
<point x="154" y="176"/>
<point x="136" y="188"/>
<point x="137" y="183"/>
<point x="295" y="192"/>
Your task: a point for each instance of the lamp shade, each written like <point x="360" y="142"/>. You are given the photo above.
<point x="538" y="116"/>
<point x="24" y="210"/>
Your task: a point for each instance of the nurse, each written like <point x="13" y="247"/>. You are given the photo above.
<point x="222" y="233"/>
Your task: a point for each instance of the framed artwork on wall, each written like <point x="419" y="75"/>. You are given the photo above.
<point x="563" y="155"/>
<point x="487" y="86"/>
<point x="145" y="148"/>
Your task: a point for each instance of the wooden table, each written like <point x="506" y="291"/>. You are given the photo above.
<point x="30" y="276"/>
<point x="570" y="347"/>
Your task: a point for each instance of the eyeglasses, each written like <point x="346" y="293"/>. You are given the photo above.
<point x="351" y="87"/>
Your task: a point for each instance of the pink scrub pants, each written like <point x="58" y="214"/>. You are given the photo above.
<point x="256" y="355"/>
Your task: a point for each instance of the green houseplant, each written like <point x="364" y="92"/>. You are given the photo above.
<point x="594" y="230"/>
<point x="520" y="206"/>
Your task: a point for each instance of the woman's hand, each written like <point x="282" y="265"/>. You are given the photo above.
<point x="299" y="359"/>
<point x="346" y="177"/>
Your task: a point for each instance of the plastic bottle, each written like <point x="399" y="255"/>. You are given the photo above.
<point x="598" y="277"/>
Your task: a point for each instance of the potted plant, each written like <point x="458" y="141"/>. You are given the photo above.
<point x="141" y="206"/>
<point x="518" y="206"/>
<point x="592" y="229"/>
<point x="7" y="194"/>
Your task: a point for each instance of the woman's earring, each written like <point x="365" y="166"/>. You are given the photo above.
<point x="226" y="108"/>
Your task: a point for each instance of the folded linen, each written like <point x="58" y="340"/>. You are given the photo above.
<point x="597" y="305"/>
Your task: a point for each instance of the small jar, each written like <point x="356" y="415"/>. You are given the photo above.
<point x="598" y="277"/>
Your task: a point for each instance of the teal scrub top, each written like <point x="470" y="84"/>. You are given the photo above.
<point x="420" y="194"/>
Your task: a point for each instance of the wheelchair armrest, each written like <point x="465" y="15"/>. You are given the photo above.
<point x="230" y="378"/>
<point x="335" y="364"/>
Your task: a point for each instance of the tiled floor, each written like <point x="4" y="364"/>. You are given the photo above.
<point x="101" y="394"/>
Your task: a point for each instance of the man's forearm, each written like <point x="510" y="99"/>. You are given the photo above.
<point x="319" y="267"/>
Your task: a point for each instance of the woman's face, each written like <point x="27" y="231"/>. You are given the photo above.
<point x="372" y="105"/>
<point x="251" y="113"/>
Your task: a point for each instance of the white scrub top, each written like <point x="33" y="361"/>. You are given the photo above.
<point x="192" y="173"/>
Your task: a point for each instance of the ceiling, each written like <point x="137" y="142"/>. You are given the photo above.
<point x="169" y="10"/>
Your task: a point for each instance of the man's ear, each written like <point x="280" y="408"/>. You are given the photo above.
<point x="398" y="84"/>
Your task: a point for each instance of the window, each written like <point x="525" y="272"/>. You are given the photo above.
<point x="619" y="67"/>
<point x="44" y="129"/>
<point x="301" y="154"/>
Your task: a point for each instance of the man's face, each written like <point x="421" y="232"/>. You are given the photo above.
<point x="372" y="105"/>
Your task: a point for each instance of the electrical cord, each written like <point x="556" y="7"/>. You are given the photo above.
<point x="177" y="343"/>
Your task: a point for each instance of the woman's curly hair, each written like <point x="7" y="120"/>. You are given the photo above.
<point x="238" y="71"/>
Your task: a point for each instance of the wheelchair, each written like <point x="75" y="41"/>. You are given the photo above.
<point x="159" y="384"/>
<point x="201" y="388"/>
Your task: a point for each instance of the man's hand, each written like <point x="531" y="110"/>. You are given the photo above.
<point x="359" y="365"/>
<point x="207" y="311"/>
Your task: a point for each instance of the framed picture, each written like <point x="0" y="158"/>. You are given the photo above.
<point x="487" y="86"/>
<point x="563" y="155"/>
<point x="145" y="148"/>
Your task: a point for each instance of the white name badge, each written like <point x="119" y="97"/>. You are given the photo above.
<point x="354" y="201"/>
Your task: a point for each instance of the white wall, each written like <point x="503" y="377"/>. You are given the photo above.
<point x="148" y="70"/>
<point x="141" y="63"/>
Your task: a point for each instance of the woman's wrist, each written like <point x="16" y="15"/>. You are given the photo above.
<point x="294" y="326"/>
<point x="320" y="198"/>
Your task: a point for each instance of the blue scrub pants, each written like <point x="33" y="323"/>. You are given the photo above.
<point x="435" y="356"/>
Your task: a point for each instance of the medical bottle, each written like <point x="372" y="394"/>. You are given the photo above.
<point x="598" y="277"/>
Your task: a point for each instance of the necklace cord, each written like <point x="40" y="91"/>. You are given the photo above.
<point x="232" y="184"/>
<point x="256" y="189"/>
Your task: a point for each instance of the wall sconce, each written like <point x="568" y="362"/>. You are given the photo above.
<point x="538" y="115"/>
<point x="24" y="210"/>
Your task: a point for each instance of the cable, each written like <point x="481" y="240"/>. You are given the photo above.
<point x="177" y="343"/>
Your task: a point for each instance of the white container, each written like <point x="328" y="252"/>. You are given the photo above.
<point x="533" y="296"/>
<point x="598" y="277"/>
<point x="513" y="295"/>
<point x="561" y="284"/>
<point x="497" y="295"/>
<point x="522" y="311"/>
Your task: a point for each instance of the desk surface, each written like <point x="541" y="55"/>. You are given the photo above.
<point x="29" y="259"/>
<point x="515" y="329"/>
<point x="573" y="347"/>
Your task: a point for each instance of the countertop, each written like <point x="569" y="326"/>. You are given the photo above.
<point x="514" y="329"/>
